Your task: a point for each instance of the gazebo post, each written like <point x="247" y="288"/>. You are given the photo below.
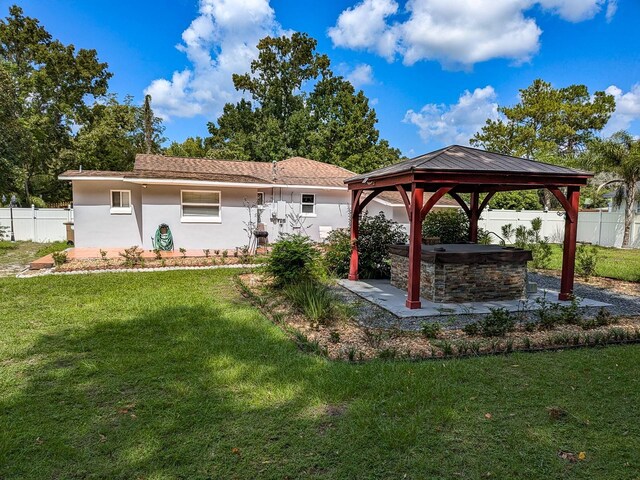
<point x="570" y="238"/>
<point x="473" y="218"/>
<point x="355" y="226"/>
<point x="415" y="247"/>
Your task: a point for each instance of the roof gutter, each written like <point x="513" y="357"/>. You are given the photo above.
<point x="210" y="183"/>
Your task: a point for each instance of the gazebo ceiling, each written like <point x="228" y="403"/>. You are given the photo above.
<point x="468" y="165"/>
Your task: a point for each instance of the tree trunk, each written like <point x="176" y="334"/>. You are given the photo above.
<point x="629" y="211"/>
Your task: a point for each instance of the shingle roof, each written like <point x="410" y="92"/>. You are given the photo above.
<point x="292" y="171"/>
<point x="467" y="159"/>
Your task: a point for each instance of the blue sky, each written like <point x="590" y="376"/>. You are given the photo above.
<point x="434" y="69"/>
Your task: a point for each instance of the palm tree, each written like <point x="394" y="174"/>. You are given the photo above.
<point x="620" y="155"/>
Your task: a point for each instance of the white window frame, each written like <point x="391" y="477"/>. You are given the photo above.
<point x="198" y="219"/>
<point x="303" y="214"/>
<point x="258" y="204"/>
<point x="119" y="210"/>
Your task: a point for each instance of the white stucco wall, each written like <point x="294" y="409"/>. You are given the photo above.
<point x="95" y="226"/>
<point x="152" y="205"/>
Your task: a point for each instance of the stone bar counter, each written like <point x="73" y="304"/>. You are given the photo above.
<point x="457" y="273"/>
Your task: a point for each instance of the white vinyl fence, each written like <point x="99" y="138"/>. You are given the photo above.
<point x="36" y="224"/>
<point x="599" y="228"/>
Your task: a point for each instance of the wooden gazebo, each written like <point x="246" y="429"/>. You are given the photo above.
<point x="454" y="170"/>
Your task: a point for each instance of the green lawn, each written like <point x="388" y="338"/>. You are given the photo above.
<point x="612" y="263"/>
<point x="173" y="375"/>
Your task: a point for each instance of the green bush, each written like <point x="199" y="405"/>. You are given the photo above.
<point x="312" y="298"/>
<point x="496" y="324"/>
<point x="452" y="226"/>
<point x="586" y="260"/>
<point x="293" y="258"/>
<point x="541" y="253"/>
<point x="430" y="330"/>
<point x="59" y="258"/>
<point x="376" y="234"/>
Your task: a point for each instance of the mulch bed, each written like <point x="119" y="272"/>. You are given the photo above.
<point x="347" y="339"/>
<point x="615" y="285"/>
<point x="120" y="263"/>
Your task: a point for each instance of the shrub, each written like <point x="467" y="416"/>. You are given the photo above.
<point x="132" y="256"/>
<point x="293" y="258"/>
<point x="496" y="324"/>
<point x="376" y="234"/>
<point x="59" y="258"/>
<point x="452" y="226"/>
<point x="313" y="299"/>
<point x="541" y="252"/>
<point x="586" y="260"/>
<point x="484" y="236"/>
<point x="183" y="251"/>
<point x="430" y="330"/>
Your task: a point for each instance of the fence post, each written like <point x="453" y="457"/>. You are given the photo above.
<point x="34" y="224"/>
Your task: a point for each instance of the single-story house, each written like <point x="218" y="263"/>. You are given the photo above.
<point x="206" y="203"/>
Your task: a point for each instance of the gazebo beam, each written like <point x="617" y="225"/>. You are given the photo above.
<point x="461" y="202"/>
<point x="415" y="247"/>
<point x="570" y="237"/>
<point x="441" y="192"/>
<point x="355" y="227"/>
<point x="473" y="218"/>
<point x="405" y="199"/>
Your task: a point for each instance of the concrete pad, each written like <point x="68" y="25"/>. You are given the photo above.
<point x="392" y="299"/>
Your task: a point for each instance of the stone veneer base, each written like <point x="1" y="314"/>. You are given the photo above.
<point x="463" y="282"/>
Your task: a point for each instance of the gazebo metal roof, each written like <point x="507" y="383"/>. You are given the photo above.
<point x="457" y="169"/>
<point x="456" y="158"/>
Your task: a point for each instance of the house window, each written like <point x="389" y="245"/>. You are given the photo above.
<point x="308" y="204"/>
<point x="120" y="201"/>
<point x="260" y="199"/>
<point x="200" y="206"/>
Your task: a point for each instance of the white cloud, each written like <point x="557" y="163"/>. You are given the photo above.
<point x="456" y="33"/>
<point x="219" y="42"/>
<point x="364" y="27"/>
<point x="627" y="108"/>
<point x="361" y="75"/>
<point x="458" y="122"/>
<point x="574" y="10"/>
<point x="612" y="8"/>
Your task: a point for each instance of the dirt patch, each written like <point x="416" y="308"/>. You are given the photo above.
<point x="346" y="339"/>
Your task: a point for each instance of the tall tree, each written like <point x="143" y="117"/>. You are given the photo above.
<point x="619" y="154"/>
<point x="51" y="82"/>
<point x="147" y="117"/>
<point x="112" y="135"/>
<point x="549" y="124"/>
<point x="192" y="147"/>
<point x="298" y="107"/>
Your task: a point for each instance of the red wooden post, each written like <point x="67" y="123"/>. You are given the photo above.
<point x="569" y="250"/>
<point x="355" y="224"/>
<point x="473" y="218"/>
<point x="415" y="247"/>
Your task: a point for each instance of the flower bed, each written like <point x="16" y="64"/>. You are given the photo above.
<point x="343" y="338"/>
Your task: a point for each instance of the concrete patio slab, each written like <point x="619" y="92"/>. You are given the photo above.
<point x="392" y="299"/>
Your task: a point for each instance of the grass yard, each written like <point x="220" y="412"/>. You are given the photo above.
<point x="174" y="375"/>
<point x="612" y="263"/>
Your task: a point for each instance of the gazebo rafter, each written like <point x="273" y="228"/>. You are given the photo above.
<point x="456" y="170"/>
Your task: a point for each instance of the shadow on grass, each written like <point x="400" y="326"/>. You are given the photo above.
<point x="212" y="390"/>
